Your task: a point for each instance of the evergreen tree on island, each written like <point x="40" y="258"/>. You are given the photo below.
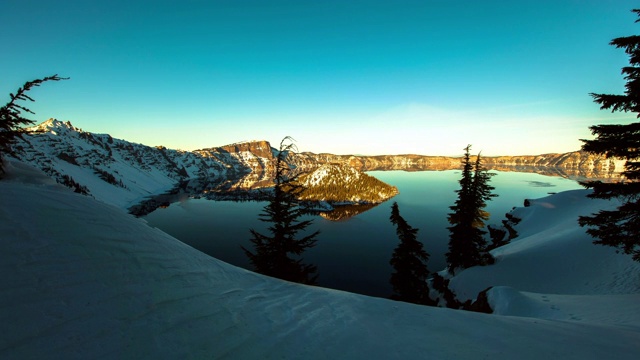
<point x="11" y="119"/>
<point x="409" y="260"/>
<point x="466" y="237"/>
<point x="278" y="254"/>
<point x="619" y="228"/>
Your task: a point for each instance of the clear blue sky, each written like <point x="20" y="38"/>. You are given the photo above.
<point x="362" y="77"/>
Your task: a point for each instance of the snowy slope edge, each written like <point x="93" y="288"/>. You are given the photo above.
<point x="553" y="270"/>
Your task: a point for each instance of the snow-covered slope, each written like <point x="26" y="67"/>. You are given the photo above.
<point x="553" y="270"/>
<point x="113" y="170"/>
<point x="124" y="174"/>
<point x="83" y="279"/>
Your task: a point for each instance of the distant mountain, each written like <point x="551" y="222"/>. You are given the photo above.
<point x="124" y="173"/>
<point x="117" y="171"/>
<point x="576" y="165"/>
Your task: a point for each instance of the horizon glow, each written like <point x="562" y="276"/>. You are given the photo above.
<point x="358" y="77"/>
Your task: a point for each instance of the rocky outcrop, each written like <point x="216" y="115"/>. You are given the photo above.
<point x="260" y="148"/>
<point x="341" y="183"/>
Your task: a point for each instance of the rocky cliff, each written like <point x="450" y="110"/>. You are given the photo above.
<point x="577" y="165"/>
<point x="99" y="165"/>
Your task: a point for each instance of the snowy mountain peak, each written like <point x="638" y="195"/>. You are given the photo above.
<point x="114" y="170"/>
<point x="54" y="125"/>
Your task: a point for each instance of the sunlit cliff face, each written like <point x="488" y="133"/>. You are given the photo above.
<point x="258" y="156"/>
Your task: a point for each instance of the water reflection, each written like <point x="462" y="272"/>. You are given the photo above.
<point x="354" y="254"/>
<point x="345" y="212"/>
<point x="247" y="187"/>
<point x="540" y="184"/>
<point x="250" y="187"/>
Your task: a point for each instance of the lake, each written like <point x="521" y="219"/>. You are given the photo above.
<point x="353" y="254"/>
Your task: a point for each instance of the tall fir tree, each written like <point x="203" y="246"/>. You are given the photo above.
<point x="409" y="261"/>
<point x="466" y="237"/>
<point x="279" y="254"/>
<point x="619" y="228"/>
<point x="482" y="192"/>
<point x="461" y="252"/>
<point x="11" y="120"/>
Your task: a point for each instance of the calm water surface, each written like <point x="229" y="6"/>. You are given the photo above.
<point x="353" y="254"/>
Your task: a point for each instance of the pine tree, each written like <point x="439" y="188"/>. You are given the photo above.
<point x="466" y="239"/>
<point x="278" y="254"/>
<point x="619" y="228"/>
<point x="409" y="259"/>
<point x="11" y="119"/>
<point x="482" y="192"/>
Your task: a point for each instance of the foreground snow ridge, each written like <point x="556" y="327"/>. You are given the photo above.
<point x="83" y="279"/>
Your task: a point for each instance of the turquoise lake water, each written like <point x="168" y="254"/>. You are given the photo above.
<point x="353" y="254"/>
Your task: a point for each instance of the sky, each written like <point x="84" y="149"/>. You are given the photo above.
<point x="346" y="77"/>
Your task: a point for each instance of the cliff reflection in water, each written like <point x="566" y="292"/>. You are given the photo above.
<point x="345" y="212"/>
<point x="257" y="185"/>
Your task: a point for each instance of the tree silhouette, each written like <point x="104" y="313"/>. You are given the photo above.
<point x="11" y="119"/>
<point x="409" y="261"/>
<point x="619" y="228"/>
<point x="278" y="254"/>
<point x="466" y="238"/>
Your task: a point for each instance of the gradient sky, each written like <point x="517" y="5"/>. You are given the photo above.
<point x="347" y="77"/>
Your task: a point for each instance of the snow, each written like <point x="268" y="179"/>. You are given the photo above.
<point x="554" y="255"/>
<point x="621" y="310"/>
<point x="329" y="173"/>
<point x="83" y="279"/>
<point x="143" y="170"/>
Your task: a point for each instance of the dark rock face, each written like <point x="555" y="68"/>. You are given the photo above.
<point x="260" y="148"/>
<point x="481" y="304"/>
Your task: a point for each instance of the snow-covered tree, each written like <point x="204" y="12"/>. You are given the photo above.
<point x="619" y="228"/>
<point x="278" y="254"/>
<point x="409" y="261"/>
<point x="11" y="120"/>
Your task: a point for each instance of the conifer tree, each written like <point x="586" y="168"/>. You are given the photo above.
<point x="482" y="192"/>
<point x="11" y="119"/>
<point x="619" y="228"/>
<point x="466" y="238"/>
<point x="278" y="254"/>
<point x="409" y="261"/>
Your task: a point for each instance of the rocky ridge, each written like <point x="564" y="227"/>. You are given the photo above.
<point x="98" y="164"/>
<point x="577" y="165"/>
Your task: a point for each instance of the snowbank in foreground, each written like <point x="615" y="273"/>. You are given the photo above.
<point x="620" y="310"/>
<point x="82" y="279"/>
<point x="554" y="255"/>
<point x="552" y="270"/>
